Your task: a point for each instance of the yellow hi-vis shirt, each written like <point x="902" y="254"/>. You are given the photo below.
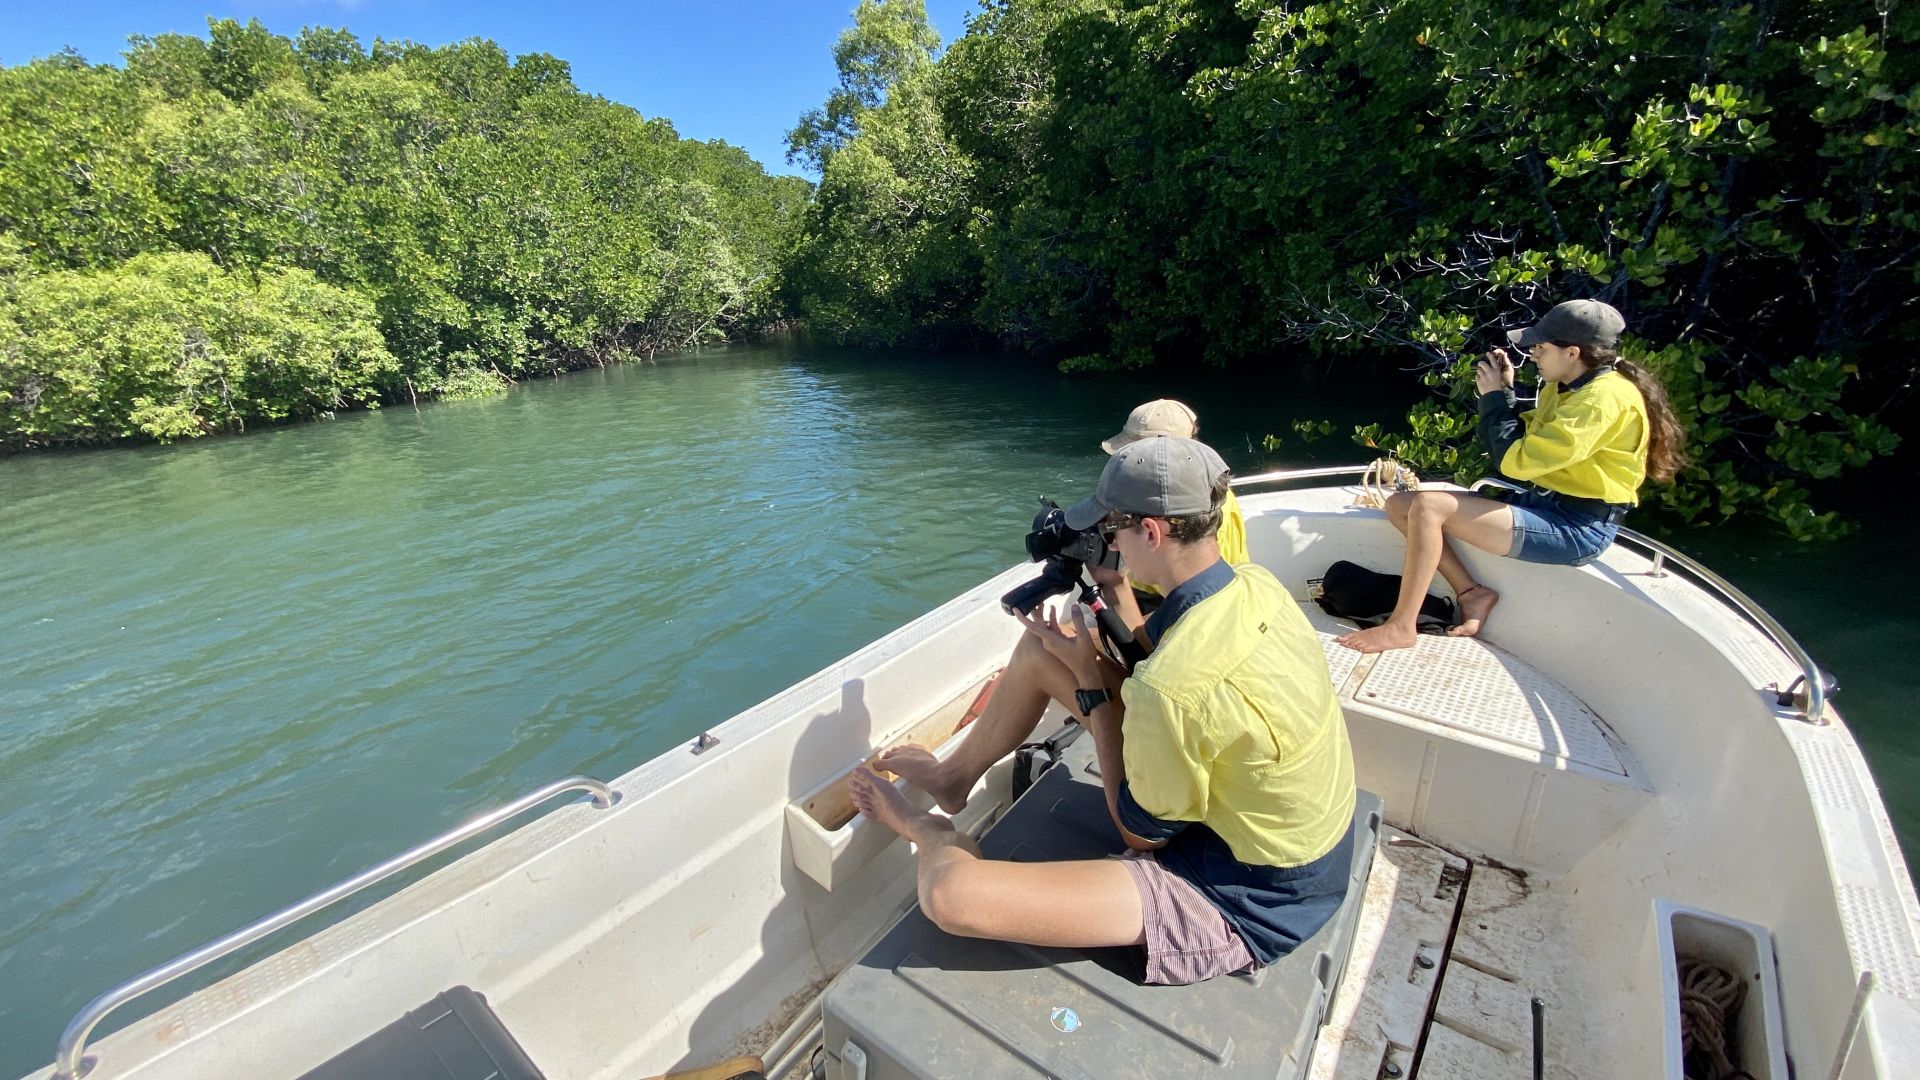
<point x="1232" y="537"/>
<point x="1590" y="443"/>
<point x="1232" y="722"/>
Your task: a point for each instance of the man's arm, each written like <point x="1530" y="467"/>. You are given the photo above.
<point x="1076" y="648"/>
<point x="1104" y="724"/>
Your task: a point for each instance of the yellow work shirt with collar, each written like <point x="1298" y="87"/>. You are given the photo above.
<point x="1232" y="536"/>
<point x="1590" y="443"/>
<point x="1232" y="722"/>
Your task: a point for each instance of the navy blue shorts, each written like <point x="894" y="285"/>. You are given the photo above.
<point x="1544" y="531"/>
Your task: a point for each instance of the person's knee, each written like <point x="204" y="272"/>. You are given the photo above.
<point x="1029" y="650"/>
<point x="1031" y="658"/>
<point x="946" y="898"/>
<point x="1429" y="507"/>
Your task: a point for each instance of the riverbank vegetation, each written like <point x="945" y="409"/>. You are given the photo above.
<point x="300" y="225"/>
<point x="244" y="228"/>
<point x="1116" y="183"/>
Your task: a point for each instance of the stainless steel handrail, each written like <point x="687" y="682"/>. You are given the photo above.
<point x="1818" y="683"/>
<point x="69" y="1060"/>
<point x="1299" y="474"/>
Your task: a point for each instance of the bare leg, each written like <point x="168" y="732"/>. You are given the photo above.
<point x="1428" y="518"/>
<point x="1033" y="677"/>
<point x="1458" y="577"/>
<point x="1083" y="904"/>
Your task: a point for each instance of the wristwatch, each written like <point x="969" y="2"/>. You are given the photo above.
<point x="1089" y="700"/>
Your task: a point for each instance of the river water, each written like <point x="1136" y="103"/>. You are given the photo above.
<point x="235" y="671"/>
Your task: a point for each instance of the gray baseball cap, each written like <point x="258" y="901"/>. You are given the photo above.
<point x="1576" y="322"/>
<point x="1160" y="476"/>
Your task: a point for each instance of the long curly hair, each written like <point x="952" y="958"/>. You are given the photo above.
<point x="1666" y="439"/>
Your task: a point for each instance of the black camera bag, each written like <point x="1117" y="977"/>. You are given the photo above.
<point x="1365" y="598"/>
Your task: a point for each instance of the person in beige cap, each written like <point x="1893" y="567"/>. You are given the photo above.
<point x="1161" y="416"/>
<point x="1165" y="417"/>
<point x="1224" y="755"/>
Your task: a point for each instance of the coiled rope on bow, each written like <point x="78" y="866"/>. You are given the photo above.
<point x="1384" y="477"/>
<point x="1709" y="996"/>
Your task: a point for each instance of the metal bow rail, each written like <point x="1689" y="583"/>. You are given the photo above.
<point x="69" y="1059"/>
<point x="1818" y="685"/>
<point x="1279" y="475"/>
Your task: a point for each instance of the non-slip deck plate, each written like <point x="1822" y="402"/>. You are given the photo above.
<point x="1341" y="660"/>
<point x="1471" y="686"/>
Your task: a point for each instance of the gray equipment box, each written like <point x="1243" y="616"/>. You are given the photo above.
<point x="923" y="1003"/>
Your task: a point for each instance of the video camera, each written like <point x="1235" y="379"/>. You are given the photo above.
<point x="1065" y="552"/>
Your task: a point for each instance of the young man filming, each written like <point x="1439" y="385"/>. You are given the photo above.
<point x="1223" y="754"/>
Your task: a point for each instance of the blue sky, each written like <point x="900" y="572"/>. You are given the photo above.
<point x="739" y="70"/>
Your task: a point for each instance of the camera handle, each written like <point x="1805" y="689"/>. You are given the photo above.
<point x="1112" y="628"/>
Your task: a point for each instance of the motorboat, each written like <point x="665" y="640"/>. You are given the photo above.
<point x="1632" y="776"/>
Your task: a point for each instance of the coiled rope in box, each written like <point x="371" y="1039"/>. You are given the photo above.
<point x="1709" y="996"/>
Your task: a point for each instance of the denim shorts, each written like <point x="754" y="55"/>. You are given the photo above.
<point x="1544" y="531"/>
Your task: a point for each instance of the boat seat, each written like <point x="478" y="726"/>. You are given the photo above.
<point x="923" y="1002"/>
<point x="1475" y="745"/>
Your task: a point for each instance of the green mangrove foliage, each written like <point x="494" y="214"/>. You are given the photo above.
<point x="171" y="346"/>
<point x="478" y="213"/>
<point x="881" y="259"/>
<point x="1124" y="182"/>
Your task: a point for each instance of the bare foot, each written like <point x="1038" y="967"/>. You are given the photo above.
<point x="1475" y="605"/>
<point x="1388" y="635"/>
<point x="917" y="766"/>
<point x="878" y="799"/>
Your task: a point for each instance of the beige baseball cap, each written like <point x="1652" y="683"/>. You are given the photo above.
<point x="1163" y="416"/>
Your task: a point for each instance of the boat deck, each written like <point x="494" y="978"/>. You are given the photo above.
<point x="1446" y="963"/>
<point x="1451" y="953"/>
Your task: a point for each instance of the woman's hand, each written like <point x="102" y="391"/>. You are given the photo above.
<point x="1493" y="373"/>
<point x="1073" y="645"/>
